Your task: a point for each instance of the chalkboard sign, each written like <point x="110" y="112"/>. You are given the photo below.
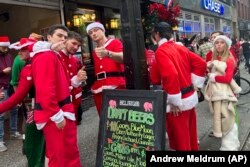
<point x="132" y="122"/>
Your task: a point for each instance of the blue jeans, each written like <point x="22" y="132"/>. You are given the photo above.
<point x="13" y="119"/>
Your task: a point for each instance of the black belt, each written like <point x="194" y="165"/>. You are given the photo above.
<point x="187" y="89"/>
<point x="60" y="103"/>
<point x="103" y="75"/>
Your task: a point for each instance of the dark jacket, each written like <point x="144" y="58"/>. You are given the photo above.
<point x="6" y="60"/>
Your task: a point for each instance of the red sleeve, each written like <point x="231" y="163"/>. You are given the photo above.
<point x="229" y="72"/>
<point x="169" y="75"/>
<point x="115" y="46"/>
<point x="155" y="76"/>
<point x="209" y="56"/>
<point x="45" y="70"/>
<point x="198" y="65"/>
<point x="21" y="92"/>
<point x="234" y="54"/>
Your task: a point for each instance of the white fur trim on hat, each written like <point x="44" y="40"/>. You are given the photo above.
<point x="225" y="38"/>
<point x="17" y="45"/>
<point x="4" y="43"/>
<point x="95" y="25"/>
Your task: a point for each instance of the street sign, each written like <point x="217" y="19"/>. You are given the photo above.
<point x="132" y="122"/>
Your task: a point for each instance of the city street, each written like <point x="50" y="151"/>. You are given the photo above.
<point x="88" y="134"/>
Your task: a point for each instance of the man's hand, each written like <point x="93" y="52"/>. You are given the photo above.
<point x="101" y="52"/>
<point x="7" y="70"/>
<point x="61" y="124"/>
<point x="82" y="75"/>
<point x="58" y="46"/>
<point x="175" y="110"/>
<point x="2" y="94"/>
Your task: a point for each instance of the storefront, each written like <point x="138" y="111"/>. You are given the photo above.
<point x="20" y="18"/>
<point x="205" y="16"/>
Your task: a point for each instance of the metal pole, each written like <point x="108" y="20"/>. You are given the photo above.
<point x="134" y="46"/>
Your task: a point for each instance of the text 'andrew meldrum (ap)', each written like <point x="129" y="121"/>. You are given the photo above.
<point x="155" y="158"/>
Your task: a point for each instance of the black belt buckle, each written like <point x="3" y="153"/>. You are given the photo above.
<point x="101" y="75"/>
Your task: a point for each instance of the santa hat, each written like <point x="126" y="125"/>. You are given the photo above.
<point x="95" y="25"/>
<point x="24" y="42"/>
<point x="225" y="38"/>
<point x="4" y="41"/>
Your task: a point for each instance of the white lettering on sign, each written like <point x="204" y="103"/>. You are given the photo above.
<point x="213" y="6"/>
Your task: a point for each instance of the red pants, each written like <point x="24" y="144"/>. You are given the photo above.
<point x="61" y="145"/>
<point x="182" y="131"/>
<point x="98" y="100"/>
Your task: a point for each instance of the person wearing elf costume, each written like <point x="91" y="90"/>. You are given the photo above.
<point x="181" y="71"/>
<point x="34" y="145"/>
<point x="108" y="63"/>
<point x="220" y="94"/>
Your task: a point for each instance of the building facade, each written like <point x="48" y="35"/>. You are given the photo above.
<point x="243" y="7"/>
<point x="206" y="16"/>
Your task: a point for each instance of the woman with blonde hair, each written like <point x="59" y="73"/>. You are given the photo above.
<point x="220" y="93"/>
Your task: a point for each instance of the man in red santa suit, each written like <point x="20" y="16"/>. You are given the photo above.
<point x="108" y="63"/>
<point x="54" y="112"/>
<point x="179" y="71"/>
<point x="73" y="67"/>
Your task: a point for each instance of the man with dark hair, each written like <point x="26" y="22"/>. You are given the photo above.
<point x="205" y="47"/>
<point x="74" y="68"/>
<point x="180" y="71"/>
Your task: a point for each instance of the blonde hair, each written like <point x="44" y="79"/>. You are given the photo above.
<point x="225" y="55"/>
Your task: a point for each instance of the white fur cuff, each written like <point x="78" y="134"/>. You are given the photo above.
<point x="212" y="77"/>
<point x="174" y="99"/>
<point x="58" y="117"/>
<point x="75" y="82"/>
<point x="197" y="80"/>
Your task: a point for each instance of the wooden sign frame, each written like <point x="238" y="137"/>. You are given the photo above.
<point x="130" y="115"/>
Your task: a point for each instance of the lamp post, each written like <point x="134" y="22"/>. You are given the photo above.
<point x="136" y="71"/>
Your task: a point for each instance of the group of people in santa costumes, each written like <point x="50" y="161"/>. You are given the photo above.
<point x="53" y="111"/>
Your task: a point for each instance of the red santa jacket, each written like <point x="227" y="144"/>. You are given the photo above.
<point x="178" y="70"/>
<point x="24" y="85"/>
<point x="51" y="89"/>
<point x="105" y="66"/>
<point x="72" y="65"/>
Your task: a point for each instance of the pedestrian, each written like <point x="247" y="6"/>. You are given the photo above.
<point x="246" y="53"/>
<point x="34" y="144"/>
<point x="75" y="70"/>
<point x="1" y="94"/>
<point x="108" y="63"/>
<point x="6" y="61"/>
<point x="222" y="99"/>
<point x="54" y="112"/>
<point x="205" y="47"/>
<point x="181" y="71"/>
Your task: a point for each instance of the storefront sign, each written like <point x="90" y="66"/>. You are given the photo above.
<point x="132" y="122"/>
<point x="213" y="6"/>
